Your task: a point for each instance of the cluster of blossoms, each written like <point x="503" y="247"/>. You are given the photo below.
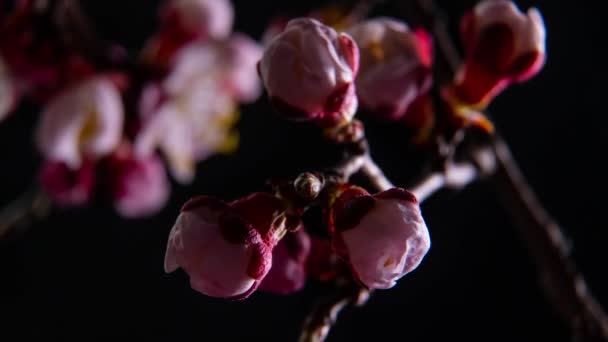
<point x="105" y="119"/>
<point x="313" y="73"/>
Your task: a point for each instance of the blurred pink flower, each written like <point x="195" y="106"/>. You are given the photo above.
<point x="503" y="46"/>
<point x="382" y="237"/>
<point x="288" y="272"/>
<point x="226" y="249"/>
<point x="139" y="186"/>
<point x="68" y="187"/>
<point x="309" y="71"/>
<point x="395" y="66"/>
<point x="201" y="18"/>
<point x="190" y="115"/>
<point x="85" y="120"/>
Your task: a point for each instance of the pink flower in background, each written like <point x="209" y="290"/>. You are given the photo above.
<point x="37" y="54"/>
<point x="85" y="120"/>
<point x="8" y="91"/>
<point x="67" y="187"/>
<point x="188" y="21"/>
<point x="200" y="18"/>
<point x="309" y="71"/>
<point x="503" y="46"/>
<point x="189" y="116"/>
<point x="139" y="186"/>
<point x="395" y="66"/>
<point x="226" y="249"/>
<point x="382" y="237"/>
<point x="288" y="272"/>
<point x="240" y="60"/>
<point x="189" y="126"/>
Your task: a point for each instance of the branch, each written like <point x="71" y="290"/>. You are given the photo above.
<point x="33" y="204"/>
<point x="564" y="286"/>
<point x="320" y="321"/>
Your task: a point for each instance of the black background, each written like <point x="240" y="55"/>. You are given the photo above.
<point x="87" y="274"/>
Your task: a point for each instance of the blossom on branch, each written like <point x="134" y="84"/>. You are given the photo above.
<point x="382" y="237"/>
<point x="226" y="248"/>
<point x="309" y="72"/>
<point x="503" y="46"/>
<point x="395" y="66"/>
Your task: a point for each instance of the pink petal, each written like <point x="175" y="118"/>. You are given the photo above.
<point x="388" y="242"/>
<point x="85" y="120"/>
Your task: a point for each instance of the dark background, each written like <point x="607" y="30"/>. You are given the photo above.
<point x="87" y="274"/>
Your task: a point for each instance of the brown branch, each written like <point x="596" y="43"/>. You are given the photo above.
<point x="33" y="204"/>
<point x="564" y="286"/>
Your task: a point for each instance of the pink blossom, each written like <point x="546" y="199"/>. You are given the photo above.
<point x="226" y="249"/>
<point x="189" y="116"/>
<point x="85" y="120"/>
<point x="395" y="66"/>
<point x="382" y="237"/>
<point x="288" y="272"/>
<point x="67" y="187"/>
<point x="201" y="18"/>
<point x="188" y="126"/>
<point x="139" y="186"/>
<point x="503" y="46"/>
<point x="241" y="58"/>
<point x="309" y="71"/>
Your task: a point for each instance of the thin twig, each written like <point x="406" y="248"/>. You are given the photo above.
<point x="374" y="174"/>
<point x="564" y="285"/>
<point x="31" y="205"/>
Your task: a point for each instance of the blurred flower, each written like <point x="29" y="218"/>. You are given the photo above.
<point x="288" y="272"/>
<point x="395" y="66"/>
<point x="240" y="59"/>
<point x="309" y="72"/>
<point x="190" y="115"/>
<point x="226" y="249"/>
<point x="139" y="186"/>
<point x="187" y="21"/>
<point x="503" y="46"/>
<point x="8" y="91"/>
<point x="36" y="52"/>
<point x="85" y="120"/>
<point x="382" y="237"/>
<point x="201" y="18"/>
<point x="68" y="187"/>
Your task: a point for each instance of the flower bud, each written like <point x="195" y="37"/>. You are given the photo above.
<point x="288" y="272"/>
<point x="83" y="121"/>
<point x="395" y="66"/>
<point x="139" y="186"/>
<point x="382" y="237"/>
<point x="67" y="187"/>
<point x="309" y="71"/>
<point x="503" y="46"/>
<point x="226" y="249"/>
